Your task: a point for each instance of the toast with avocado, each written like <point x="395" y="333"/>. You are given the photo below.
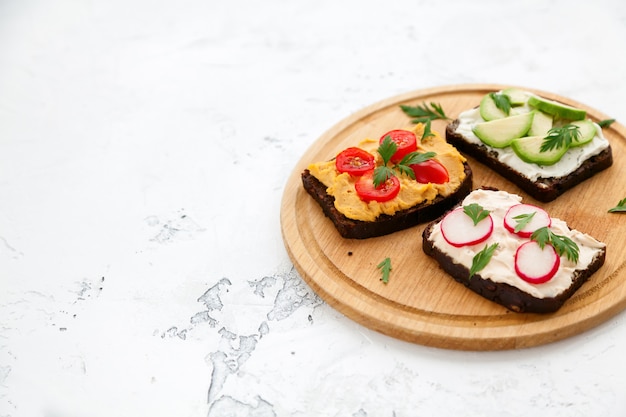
<point x="543" y="146"/>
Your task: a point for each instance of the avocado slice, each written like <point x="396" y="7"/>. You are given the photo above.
<point x="499" y="133"/>
<point x="529" y="150"/>
<point x="587" y="131"/>
<point x="556" y="109"/>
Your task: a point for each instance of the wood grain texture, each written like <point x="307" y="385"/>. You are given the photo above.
<point x="421" y="303"/>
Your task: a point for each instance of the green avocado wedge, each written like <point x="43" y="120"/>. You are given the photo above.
<point x="499" y="133"/>
<point x="516" y="96"/>
<point x="488" y="109"/>
<point x="562" y="111"/>
<point x="529" y="150"/>
<point x="542" y="123"/>
<point x="587" y="130"/>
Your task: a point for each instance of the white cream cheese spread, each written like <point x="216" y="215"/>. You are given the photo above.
<point x="501" y="267"/>
<point x="572" y="159"/>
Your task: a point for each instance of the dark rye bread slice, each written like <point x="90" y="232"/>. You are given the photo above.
<point x="384" y="224"/>
<point x="504" y="294"/>
<point x="543" y="189"/>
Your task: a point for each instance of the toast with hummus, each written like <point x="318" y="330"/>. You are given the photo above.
<point x="543" y="146"/>
<point x="512" y="253"/>
<point x="381" y="186"/>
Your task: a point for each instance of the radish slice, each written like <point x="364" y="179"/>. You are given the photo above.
<point x="540" y="219"/>
<point x="458" y="228"/>
<point x="536" y="265"/>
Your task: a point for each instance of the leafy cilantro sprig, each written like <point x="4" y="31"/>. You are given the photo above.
<point x="502" y="101"/>
<point x="476" y="212"/>
<point x="522" y="220"/>
<point x="562" y="244"/>
<point x="427" y="131"/>
<point x="387" y="149"/>
<point x="482" y="258"/>
<point x="385" y="267"/>
<point x="560" y="136"/>
<point x="620" y="207"/>
<point x="424" y="113"/>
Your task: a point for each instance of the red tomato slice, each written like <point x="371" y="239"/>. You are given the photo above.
<point x="355" y="161"/>
<point x="430" y="171"/>
<point x="384" y="192"/>
<point x="405" y="140"/>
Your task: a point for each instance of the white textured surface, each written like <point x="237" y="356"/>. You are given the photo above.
<point x="144" y="146"/>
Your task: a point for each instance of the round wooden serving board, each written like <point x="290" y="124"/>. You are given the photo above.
<point x="421" y="303"/>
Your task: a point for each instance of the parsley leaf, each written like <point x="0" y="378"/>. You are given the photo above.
<point x="562" y="244"/>
<point x="522" y="220"/>
<point x="476" y="212"/>
<point x="427" y="131"/>
<point x="482" y="258"/>
<point x="502" y="101"/>
<point x="405" y="169"/>
<point x="423" y="113"/>
<point x="381" y="175"/>
<point x="606" y="122"/>
<point x="560" y="136"/>
<point x="385" y="267"/>
<point x="416" y="158"/>
<point x="620" y="207"/>
<point x="386" y="150"/>
<point x="404" y="166"/>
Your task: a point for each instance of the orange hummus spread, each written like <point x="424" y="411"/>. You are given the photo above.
<point x="341" y="185"/>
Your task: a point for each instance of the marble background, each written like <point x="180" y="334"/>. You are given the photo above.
<point x="144" y="148"/>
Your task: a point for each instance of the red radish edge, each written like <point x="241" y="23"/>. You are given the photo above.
<point x="540" y="219"/>
<point x="536" y="265"/>
<point x="458" y="229"/>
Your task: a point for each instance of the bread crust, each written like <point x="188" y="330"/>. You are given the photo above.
<point x="384" y="224"/>
<point x="504" y="294"/>
<point x="542" y="189"/>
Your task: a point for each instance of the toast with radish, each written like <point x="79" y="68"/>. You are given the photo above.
<point x="512" y="253"/>
<point x="543" y="146"/>
<point x="381" y="186"/>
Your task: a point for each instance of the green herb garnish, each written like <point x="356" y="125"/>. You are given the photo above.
<point x="404" y="166"/>
<point x="522" y="220"/>
<point x="385" y="267"/>
<point x="482" y="258"/>
<point x="386" y="150"/>
<point x="502" y="101"/>
<point x="560" y="136"/>
<point x="605" y="123"/>
<point x="476" y="212"/>
<point x="562" y="244"/>
<point x="620" y="207"/>
<point x="423" y="113"/>
<point x="427" y="131"/>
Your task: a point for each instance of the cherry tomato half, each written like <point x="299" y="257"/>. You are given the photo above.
<point x="430" y="171"/>
<point x="355" y="161"/>
<point x="384" y="192"/>
<point x="405" y="140"/>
